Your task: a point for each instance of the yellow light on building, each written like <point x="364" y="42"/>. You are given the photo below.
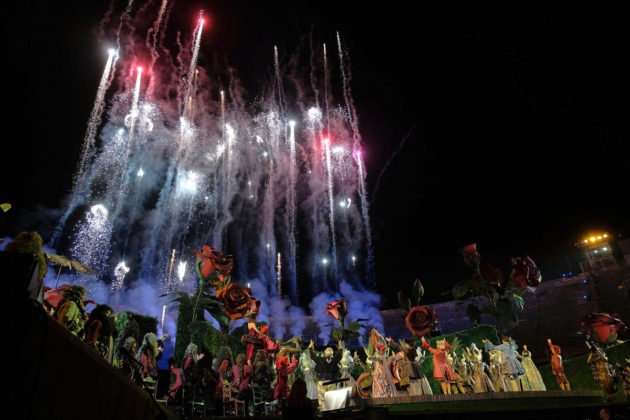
<point x="592" y="239"/>
<point x="599" y="237"/>
<point x="605" y="235"/>
<point x="585" y="241"/>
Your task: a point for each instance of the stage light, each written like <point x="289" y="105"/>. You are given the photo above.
<point x="592" y="239"/>
<point x="599" y="238"/>
<point x="605" y="235"/>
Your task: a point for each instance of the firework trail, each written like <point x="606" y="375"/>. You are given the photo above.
<point x="173" y="168"/>
<point x="95" y="115"/>
<point x="331" y="207"/>
<point x="292" y="211"/>
<point x="326" y="82"/>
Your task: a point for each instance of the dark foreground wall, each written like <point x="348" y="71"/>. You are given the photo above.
<point x="58" y="376"/>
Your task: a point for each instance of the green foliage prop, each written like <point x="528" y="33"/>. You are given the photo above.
<point x="199" y="331"/>
<point x="30" y="243"/>
<point x="485" y="292"/>
<point x="146" y="323"/>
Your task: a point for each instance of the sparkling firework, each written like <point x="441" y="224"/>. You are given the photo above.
<point x="225" y="174"/>
<point x="120" y="272"/>
<point x="181" y="270"/>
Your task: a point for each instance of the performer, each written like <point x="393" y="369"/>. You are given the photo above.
<point x="463" y="384"/>
<point x="126" y="354"/>
<point x="307" y="366"/>
<point x="99" y="330"/>
<point x="442" y="369"/>
<point x="532" y="381"/>
<point x="511" y="368"/>
<point x="418" y="382"/>
<point x="146" y="356"/>
<point x="242" y="374"/>
<point x="257" y="338"/>
<point x="191" y="357"/>
<point x="326" y="368"/>
<point x="556" y="366"/>
<point x="408" y="369"/>
<point x="383" y="384"/>
<point x="345" y="366"/>
<point x="70" y="311"/>
<point x="480" y="380"/>
<point x="283" y="369"/>
<point x="261" y="375"/>
<point x="223" y="365"/>
<point x="602" y="371"/>
<point x="494" y="370"/>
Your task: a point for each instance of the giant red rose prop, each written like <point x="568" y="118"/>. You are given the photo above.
<point x="602" y="327"/>
<point x="471" y="255"/>
<point x="210" y="260"/>
<point x="238" y="301"/>
<point x="525" y="273"/>
<point x="421" y="320"/>
<point x="338" y="309"/>
<point x="492" y="274"/>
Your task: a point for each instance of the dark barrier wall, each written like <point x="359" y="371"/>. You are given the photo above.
<point x="59" y="376"/>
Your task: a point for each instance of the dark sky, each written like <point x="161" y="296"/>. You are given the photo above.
<point x="517" y="117"/>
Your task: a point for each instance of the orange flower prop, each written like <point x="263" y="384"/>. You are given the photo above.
<point x="421" y="320"/>
<point x="338" y="309"/>
<point x="210" y="260"/>
<point x="238" y="301"/>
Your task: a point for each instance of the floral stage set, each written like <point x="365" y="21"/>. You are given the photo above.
<point x="478" y="365"/>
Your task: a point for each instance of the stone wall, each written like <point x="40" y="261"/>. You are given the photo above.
<point x="554" y="311"/>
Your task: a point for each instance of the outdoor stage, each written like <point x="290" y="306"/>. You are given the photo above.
<point x="491" y="401"/>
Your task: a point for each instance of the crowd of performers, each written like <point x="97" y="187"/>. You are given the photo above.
<point x="296" y="377"/>
<point x="136" y="356"/>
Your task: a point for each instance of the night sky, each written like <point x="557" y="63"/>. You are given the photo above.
<point x="515" y="118"/>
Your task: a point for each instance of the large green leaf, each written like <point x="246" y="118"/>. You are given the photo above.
<point x="354" y="326"/>
<point x="518" y="301"/>
<point x="349" y="334"/>
<point x="460" y="290"/>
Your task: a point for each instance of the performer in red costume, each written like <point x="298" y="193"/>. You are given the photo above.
<point x="442" y="370"/>
<point x="257" y="339"/>
<point x="283" y="369"/>
<point x="556" y="366"/>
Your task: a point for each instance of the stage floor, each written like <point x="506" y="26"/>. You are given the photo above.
<point x="490" y="402"/>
